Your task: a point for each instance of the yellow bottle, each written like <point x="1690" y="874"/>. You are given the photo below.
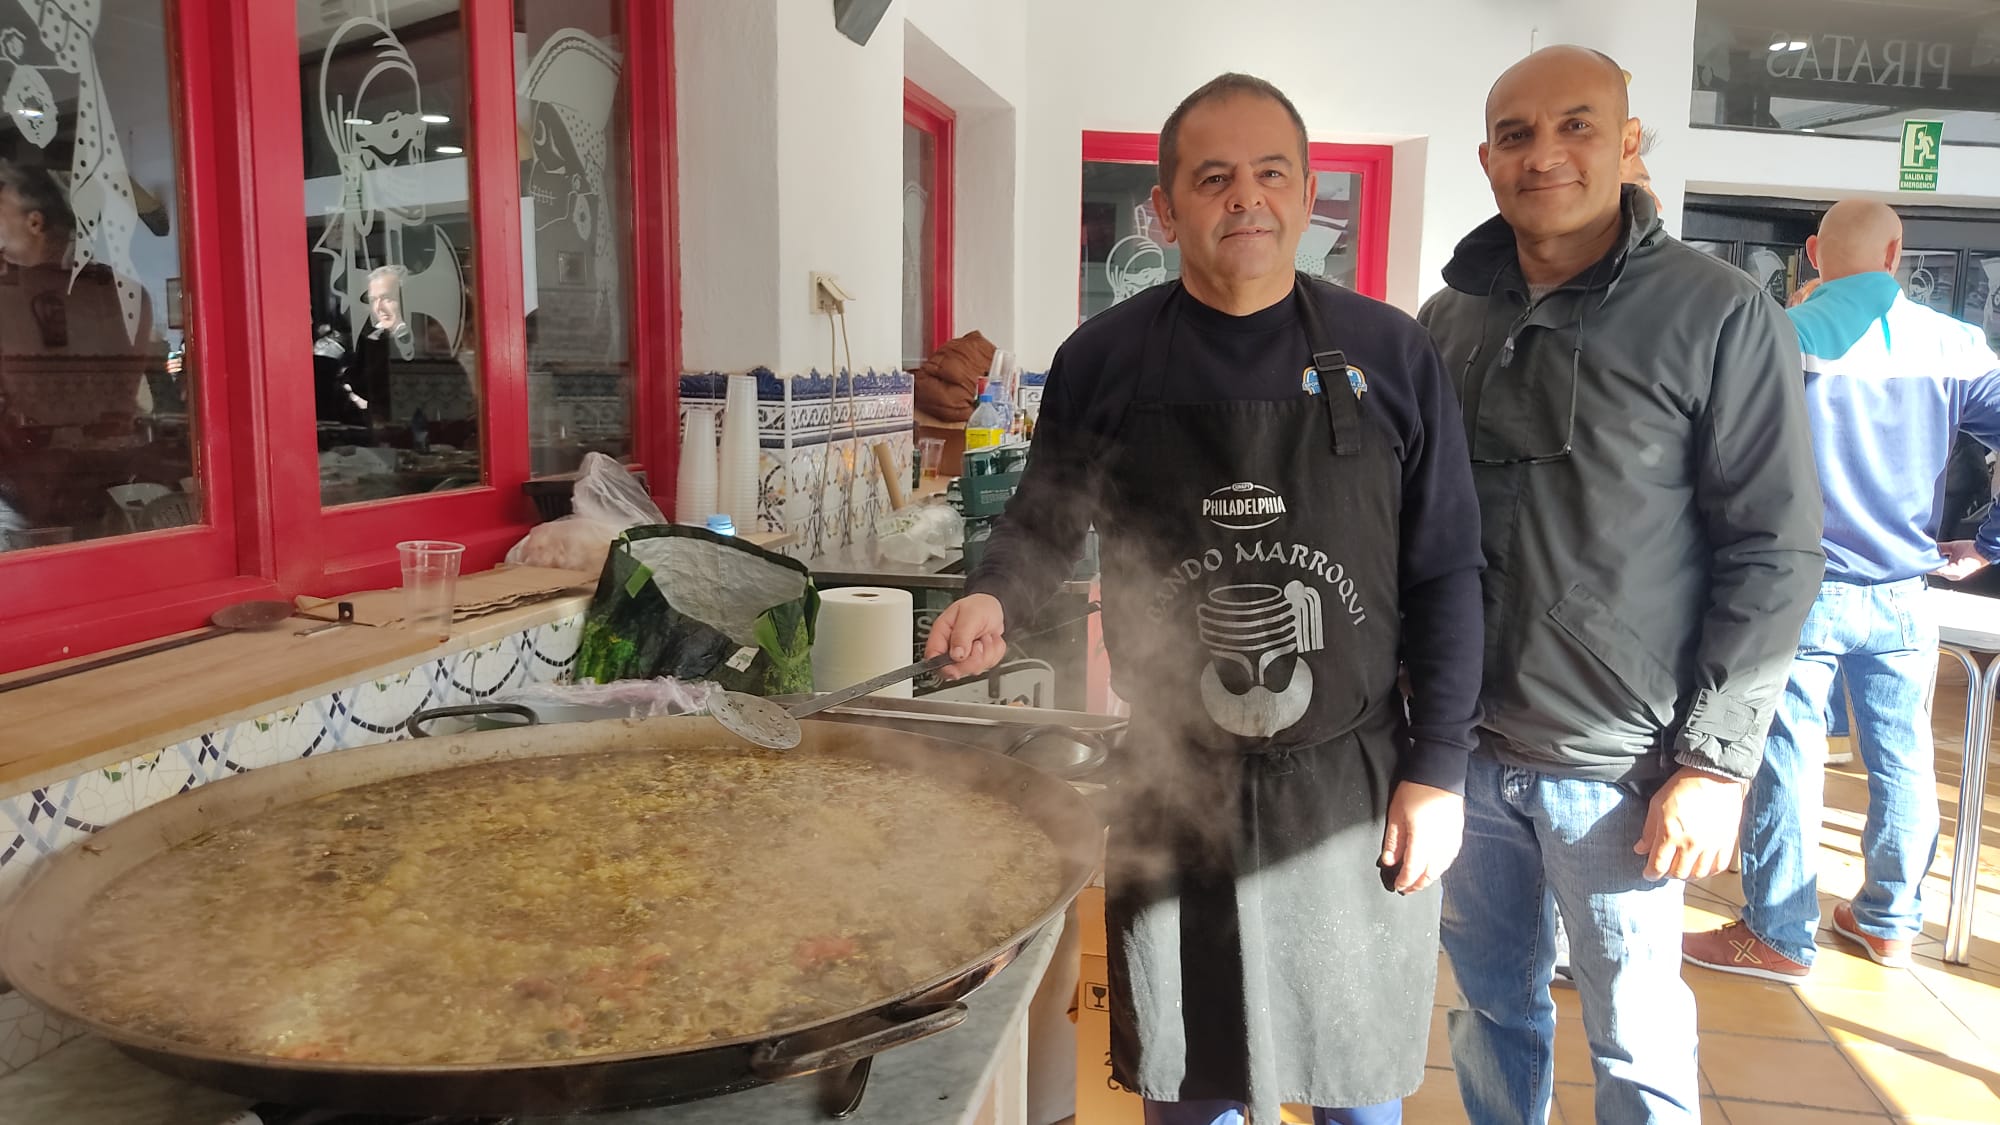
<point x="986" y="427"/>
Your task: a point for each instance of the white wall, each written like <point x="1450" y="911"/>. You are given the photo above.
<point x="791" y="141"/>
<point x="988" y="39"/>
<point x="791" y="162"/>
<point x="986" y="183"/>
<point x="840" y="171"/>
<point x="1358" y="71"/>
<point x="725" y="61"/>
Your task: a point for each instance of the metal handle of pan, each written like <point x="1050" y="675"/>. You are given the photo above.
<point x="773" y="1063"/>
<point x="1097" y="749"/>
<point x="852" y="692"/>
<point x="422" y="719"/>
<point x="855" y="691"/>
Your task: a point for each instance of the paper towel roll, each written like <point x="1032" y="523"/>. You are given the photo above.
<point x="863" y="631"/>
<point x="694" y="495"/>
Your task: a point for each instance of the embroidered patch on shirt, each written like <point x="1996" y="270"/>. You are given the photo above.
<point x="1355" y="379"/>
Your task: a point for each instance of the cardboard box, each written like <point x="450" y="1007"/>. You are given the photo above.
<point x="953" y="436"/>
<point x="1100" y="1100"/>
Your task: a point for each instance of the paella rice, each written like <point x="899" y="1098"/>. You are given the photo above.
<point x="557" y="908"/>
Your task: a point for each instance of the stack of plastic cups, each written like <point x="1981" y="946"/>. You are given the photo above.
<point x="736" y="489"/>
<point x="695" y="491"/>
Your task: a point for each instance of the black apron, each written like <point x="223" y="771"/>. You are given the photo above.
<point x="1250" y="554"/>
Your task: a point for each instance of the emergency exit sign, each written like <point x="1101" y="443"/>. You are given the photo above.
<point x="1922" y="142"/>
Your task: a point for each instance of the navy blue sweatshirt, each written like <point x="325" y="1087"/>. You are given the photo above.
<point x="1216" y="357"/>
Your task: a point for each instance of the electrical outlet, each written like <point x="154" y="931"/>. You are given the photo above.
<point x="827" y="294"/>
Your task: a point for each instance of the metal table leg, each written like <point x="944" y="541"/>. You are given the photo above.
<point x="1979" y="695"/>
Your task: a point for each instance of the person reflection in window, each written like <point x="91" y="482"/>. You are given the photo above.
<point x="74" y="310"/>
<point x="394" y="348"/>
<point x="70" y="367"/>
<point x="385" y="310"/>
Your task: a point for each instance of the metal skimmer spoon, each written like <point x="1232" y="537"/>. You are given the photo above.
<point x="758" y="720"/>
<point x="763" y="723"/>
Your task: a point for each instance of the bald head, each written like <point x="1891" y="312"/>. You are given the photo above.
<point x="1856" y="236"/>
<point x="1559" y="131"/>
<point x="1567" y="67"/>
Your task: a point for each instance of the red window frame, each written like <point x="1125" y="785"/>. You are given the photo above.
<point x="1375" y="164"/>
<point x="240" y="132"/>
<point x="932" y="116"/>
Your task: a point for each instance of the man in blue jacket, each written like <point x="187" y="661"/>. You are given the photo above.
<point x="1889" y="384"/>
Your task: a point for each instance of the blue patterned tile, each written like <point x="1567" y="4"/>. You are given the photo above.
<point x="552" y="649"/>
<point x="42" y="822"/>
<point x="376" y="711"/>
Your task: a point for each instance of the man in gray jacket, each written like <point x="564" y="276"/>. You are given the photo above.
<point x="1651" y="522"/>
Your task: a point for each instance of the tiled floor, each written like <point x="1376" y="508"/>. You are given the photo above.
<point x="1856" y="1043"/>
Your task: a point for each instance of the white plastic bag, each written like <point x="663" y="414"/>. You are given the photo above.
<point x="607" y="492"/>
<point x="914" y="535"/>
<point x="569" y="543"/>
<point x="606" y="501"/>
<point x="638" y="699"/>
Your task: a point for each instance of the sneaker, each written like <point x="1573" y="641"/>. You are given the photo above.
<point x="1734" y="949"/>
<point x="1892" y="952"/>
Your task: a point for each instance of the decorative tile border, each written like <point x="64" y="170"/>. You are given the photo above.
<point x="820" y="408"/>
<point x="838" y="469"/>
<point x="1032" y="385"/>
<point x="43" y="821"/>
<point x="819" y="444"/>
<point x="812" y="384"/>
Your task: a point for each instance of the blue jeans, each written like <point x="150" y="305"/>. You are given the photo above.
<point x="1884" y="642"/>
<point x="1231" y="1113"/>
<point x="1533" y="841"/>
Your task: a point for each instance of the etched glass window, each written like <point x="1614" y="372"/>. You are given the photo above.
<point x="395" y="376"/>
<point x="576" y="215"/>
<point x="97" y="377"/>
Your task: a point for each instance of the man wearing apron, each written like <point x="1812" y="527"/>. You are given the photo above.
<point x="1278" y="477"/>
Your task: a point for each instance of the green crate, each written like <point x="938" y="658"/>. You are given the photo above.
<point x="990" y="479"/>
<point x="984" y="496"/>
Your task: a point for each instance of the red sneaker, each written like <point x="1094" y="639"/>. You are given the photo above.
<point x="1892" y="952"/>
<point x="1734" y="949"/>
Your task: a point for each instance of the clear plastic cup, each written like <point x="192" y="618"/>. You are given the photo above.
<point x="933" y="456"/>
<point x="430" y="584"/>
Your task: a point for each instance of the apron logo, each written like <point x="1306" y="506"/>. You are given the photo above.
<point x="1243" y="507"/>
<point x="1255" y="685"/>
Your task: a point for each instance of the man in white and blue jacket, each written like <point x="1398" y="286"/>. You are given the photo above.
<point x="1889" y="385"/>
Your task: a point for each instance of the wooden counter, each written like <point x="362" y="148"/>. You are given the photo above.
<point x="57" y="730"/>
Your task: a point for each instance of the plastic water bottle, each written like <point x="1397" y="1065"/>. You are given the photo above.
<point x="1004" y="403"/>
<point x="987" y="427"/>
<point x="721" y="524"/>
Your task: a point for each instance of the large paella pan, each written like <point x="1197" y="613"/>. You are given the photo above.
<point x="552" y="918"/>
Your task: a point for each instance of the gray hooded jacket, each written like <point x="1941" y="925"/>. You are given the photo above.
<point x="1650" y="504"/>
